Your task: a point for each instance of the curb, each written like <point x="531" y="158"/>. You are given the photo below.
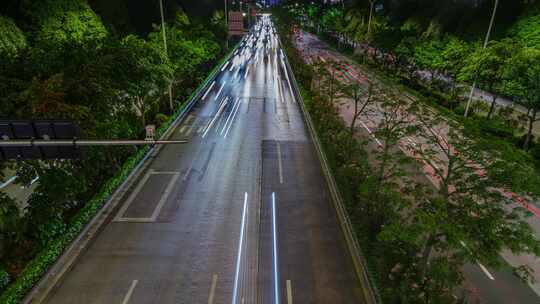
<point x="66" y="261"/>
<point x="370" y="294"/>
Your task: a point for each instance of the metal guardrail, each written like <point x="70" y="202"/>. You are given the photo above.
<point x="371" y="294"/>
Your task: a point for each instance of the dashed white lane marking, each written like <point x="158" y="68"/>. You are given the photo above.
<point x="371" y="133"/>
<point x="488" y="274"/>
<point x="247" y="71"/>
<point x="280" y="166"/>
<point x="236" y="104"/>
<point x="130" y="291"/>
<point x="289" y="292"/>
<point x="484" y="269"/>
<point x="225" y="66"/>
<point x="213" y="289"/>
<point x="232" y="120"/>
<point x="219" y="92"/>
<point x="209" y="89"/>
<point x="223" y="103"/>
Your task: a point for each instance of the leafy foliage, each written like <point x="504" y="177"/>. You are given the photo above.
<point x="12" y="39"/>
<point x="72" y="68"/>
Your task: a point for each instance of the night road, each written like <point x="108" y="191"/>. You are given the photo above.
<point x="224" y="218"/>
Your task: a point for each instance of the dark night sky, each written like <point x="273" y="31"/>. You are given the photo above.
<point x="129" y="15"/>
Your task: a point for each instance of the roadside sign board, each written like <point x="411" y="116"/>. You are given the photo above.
<point x="41" y="130"/>
<point x="150" y="132"/>
<point x="236" y="24"/>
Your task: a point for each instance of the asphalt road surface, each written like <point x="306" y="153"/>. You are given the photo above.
<point x="241" y="214"/>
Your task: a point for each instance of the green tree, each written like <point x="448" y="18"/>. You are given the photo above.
<point x="523" y="81"/>
<point x="360" y="99"/>
<point x="453" y="55"/>
<point x="12" y="39"/>
<point x="143" y="71"/>
<point x="487" y="67"/>
<point x="10" y="224"/>
<point x="466" y="219"/>
<point x="389" y="179"/>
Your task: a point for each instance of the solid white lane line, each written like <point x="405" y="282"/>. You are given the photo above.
<point x="289" y="292"/>
<point x="239" y="256"/>
<point x="236" y="103"/>
<point x="215" y="117"/>
<point x="212" y="289"/>
<point x="130" y="291"/>
<point x="225" y="66"/>
<point x="247" y="71"/>
<point x="209" y="89"/>
<point x="232" y="120"/>
<point x="219" y="92"/>
<point x="488" y="274"/>
<point x="279" y="163"/>
<point x="274" y="238"/>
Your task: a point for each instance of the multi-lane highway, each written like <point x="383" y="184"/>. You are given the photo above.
<point x="241" y="214"/>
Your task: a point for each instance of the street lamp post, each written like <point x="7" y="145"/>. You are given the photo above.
<point x="469" y="101"/>
<point x="226" y="25"/>
<point x="371" y="4"/>
<point x="166" y="52"/>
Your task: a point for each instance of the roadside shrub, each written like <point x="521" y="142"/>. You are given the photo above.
<point x="4" y="279"/>
<point x="161" y="119"/>
<point x="535" y="153"/>
<point x="496" y="128"/>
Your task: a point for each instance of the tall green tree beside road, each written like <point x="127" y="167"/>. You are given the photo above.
<point x="467" y="219"/>
<point x="389" y="182"/>
<point x="188" y="46"/>
<point x="59" y="61"/>
<point x="12" y="39"/>
<point x="143" y="72"/>
<point x="360" y="99"/>
<point x="10" y="223"/>
<point x="487" y="67"/>
<point x="523" y="81"/>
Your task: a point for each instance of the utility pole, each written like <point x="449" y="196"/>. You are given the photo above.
<point x="469" y="101"/>
<point x="166" y="52"/>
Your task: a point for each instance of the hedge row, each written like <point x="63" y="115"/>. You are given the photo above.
<point x="38" y="267"/>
